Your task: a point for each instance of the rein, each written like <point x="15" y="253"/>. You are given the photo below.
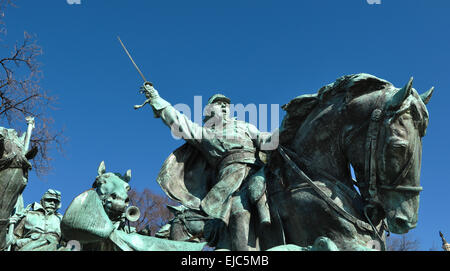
<point x="349" y="217"/>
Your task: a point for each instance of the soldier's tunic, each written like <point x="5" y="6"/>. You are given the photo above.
<point x="230" y="149"/>
<point x="38" y="230"/>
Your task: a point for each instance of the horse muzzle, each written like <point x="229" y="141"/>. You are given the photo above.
<point x="401" y="224"/>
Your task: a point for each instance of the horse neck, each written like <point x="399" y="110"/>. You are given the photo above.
<point x="318" y="145"/>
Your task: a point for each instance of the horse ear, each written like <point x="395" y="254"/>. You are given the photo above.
<point x="427" y="95"/>
<point x="101" y="168"/>
<point x="397" y="100"/>
<point x="127" y="176"/>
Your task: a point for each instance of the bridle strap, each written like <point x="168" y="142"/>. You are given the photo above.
<point x="404" y="172"/>
<point x="370" y="169"/>
<point x="406" y="188"/>
<point x="371" y="160"/>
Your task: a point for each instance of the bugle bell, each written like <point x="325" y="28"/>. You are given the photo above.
<point x="132" y="213"/>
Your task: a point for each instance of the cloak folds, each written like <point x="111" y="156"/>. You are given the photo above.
<point x="186" y="176"/>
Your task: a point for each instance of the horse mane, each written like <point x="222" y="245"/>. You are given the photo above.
<point x="298" y="109"/>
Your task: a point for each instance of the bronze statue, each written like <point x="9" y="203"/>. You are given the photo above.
<point x="99" y="219"/>
<point x="359" y="120"/>
<point x="14" y="167"/>
<point x="218" y="161"/>
<point x="38" y="227"/>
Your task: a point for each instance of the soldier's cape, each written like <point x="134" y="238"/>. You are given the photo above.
<point x="186" y="176"/>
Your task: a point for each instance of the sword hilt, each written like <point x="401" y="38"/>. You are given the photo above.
<point x="147" y="83"/>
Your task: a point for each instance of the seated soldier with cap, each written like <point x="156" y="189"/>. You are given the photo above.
<point x="38" y="227"/>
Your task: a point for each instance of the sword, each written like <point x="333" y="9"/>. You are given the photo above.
<point x="139" y="70"/>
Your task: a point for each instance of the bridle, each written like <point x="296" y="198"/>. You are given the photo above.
<point x="377" y="119"/>
<point x="371" y="147"/>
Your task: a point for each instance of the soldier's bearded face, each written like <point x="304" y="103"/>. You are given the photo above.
<point x="50" y="205"/>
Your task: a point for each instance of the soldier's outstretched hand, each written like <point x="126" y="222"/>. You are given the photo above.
<point x="149" y="91"/>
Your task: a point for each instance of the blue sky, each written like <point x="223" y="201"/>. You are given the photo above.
<point x="262" y="52"/>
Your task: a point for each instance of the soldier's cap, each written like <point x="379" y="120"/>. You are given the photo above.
<point x="219" y="97"/>
<point x="52" y="194"/>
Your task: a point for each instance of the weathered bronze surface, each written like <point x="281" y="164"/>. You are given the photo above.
<point x="359" y="120"/>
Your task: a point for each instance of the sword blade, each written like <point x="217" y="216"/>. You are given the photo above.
<point x="126" y="51"/>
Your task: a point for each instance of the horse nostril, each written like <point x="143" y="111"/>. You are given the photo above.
<point x="113" y="196"/>
<point x="401" y="222"/>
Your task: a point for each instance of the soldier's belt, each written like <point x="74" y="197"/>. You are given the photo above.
<point x="237" y="156"/>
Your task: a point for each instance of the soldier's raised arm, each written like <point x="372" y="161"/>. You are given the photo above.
<point x="180" y="125"/>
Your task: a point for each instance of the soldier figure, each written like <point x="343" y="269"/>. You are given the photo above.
<point x="230" y="148"/>
<point x="38" y="227"/>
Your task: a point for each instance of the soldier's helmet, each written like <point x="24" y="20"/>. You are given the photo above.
<point x="218" y="97"/>
<point x="52" y="194"/>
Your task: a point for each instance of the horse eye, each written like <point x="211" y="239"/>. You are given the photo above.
<point x="400" y="145"/>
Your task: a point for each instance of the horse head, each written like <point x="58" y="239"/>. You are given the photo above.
<point x="112" y="189"/>
<point x="386" y="155"/>
<point x="367" y="123"/>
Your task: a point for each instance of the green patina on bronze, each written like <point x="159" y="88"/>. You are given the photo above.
<point x="359" y="120"/>
<point x="98" y="219"/>
<point x="212" y="171"/>
<point x="37" y="228"/>
<point x="302" y="197"/>
<point x="14" y="167"/>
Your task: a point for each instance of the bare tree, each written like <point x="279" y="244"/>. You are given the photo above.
<point x="154" y="213"/>
<point x="405" y="242"/>
<point x="21" y="94"/>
